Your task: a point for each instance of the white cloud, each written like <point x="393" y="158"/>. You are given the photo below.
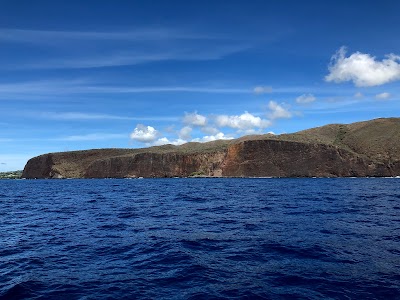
<point x="209" y="130"/>
<point x="55" y="37"/>
<point x="382" y="96"/>
<point x="277" y="111"/>
<point x="305" y="98"/>
<point x="262" y="90"/>
<point x="83" y="116"/>
<point x="144" y="134"/>
<point x="363" y="69"/>
<point x="243" y="122"/>
<point x="45" y="89"/>
<point x="72" y="49"/>
<point x="358" y="95"/>
<point x="210" y="138"/>
<point x="165" y="141"/>
<point x="185" y="132"/>
<point x="80" y="116"/>
<point x="194" y="119"/>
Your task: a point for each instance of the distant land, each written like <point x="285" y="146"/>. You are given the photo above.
<point x="370" y="148"/>
<point x="11" y="175"/>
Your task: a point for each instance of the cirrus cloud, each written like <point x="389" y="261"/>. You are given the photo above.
<point x="259" y="90"/>
<point x="363" y="69"/>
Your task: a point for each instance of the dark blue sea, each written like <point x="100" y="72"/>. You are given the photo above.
<point x="200" y="238"/>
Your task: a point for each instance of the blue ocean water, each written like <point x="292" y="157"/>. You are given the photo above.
<point x="200" y="239"/>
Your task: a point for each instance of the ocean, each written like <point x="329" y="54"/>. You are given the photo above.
<point x="200" y="238"/>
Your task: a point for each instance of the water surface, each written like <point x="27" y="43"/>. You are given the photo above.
<point x="200" y="239"/>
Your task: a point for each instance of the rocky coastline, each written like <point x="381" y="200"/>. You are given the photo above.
<point x="363" y="149"/>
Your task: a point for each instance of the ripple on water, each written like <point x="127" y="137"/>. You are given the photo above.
<point x="200" y="239"/>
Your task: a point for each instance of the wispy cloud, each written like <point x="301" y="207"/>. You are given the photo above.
<point x="383" y="96"/>
<point x="259" y="90"/>
<point x="75" y="49"/>
<point x="158" y="89"/>
<point x="44" y="88"/>
<point x="91" y="137"/>
<point x="121" y="57"/>
<point x="57" y="37"/>
<point x="305" y="99"/>
<point x="80" y="116"/>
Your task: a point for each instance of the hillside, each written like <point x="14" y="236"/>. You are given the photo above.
<point x="370" y="148"/>
<point x="11" y="175"/>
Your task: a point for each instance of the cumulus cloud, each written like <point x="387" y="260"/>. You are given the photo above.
<point x="243" y="122"/>
<point x="305" y="98"/>
<point x="185" y="133"/>
<point x="277" y="111"/>
<point x="194" y="119"/>
<point x="382" y="96"/>
<point x="144" y="134"/>
<point x="363" y="69"/>
<point x="210" y="138"/>
<point x="165" y="141"/>
<point x="262" y="90"/>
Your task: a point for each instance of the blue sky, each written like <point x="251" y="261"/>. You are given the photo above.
<point x="94" y="74"/>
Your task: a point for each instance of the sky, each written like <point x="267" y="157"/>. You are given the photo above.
<point x="78" y="75"/>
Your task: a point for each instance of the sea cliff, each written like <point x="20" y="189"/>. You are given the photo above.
<point x="370" y="148"/>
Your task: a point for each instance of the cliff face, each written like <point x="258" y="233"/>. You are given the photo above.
<point x="157" y="165"/>
<point x="293" y="159"/>
<point x="329" y="151"/>
<point x="39" y="167"/>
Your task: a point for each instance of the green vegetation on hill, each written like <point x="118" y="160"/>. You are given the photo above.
<point x="11" y="175"/>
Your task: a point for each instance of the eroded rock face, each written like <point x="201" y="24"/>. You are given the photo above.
<point x="39" y="167"/>
<point x="257" y="158"/>
<point x="292" y="159"/>
<point x="157" y="165"/>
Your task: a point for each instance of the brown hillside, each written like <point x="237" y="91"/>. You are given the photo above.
<point x="370" y="148"/>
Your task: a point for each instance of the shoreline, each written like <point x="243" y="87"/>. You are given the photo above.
<point x="207" y="177"/>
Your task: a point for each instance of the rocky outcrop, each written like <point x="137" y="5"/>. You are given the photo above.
<point x="330" y="151"/>
<point x="293" y="159"/>
<point x="158" y="165"/>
